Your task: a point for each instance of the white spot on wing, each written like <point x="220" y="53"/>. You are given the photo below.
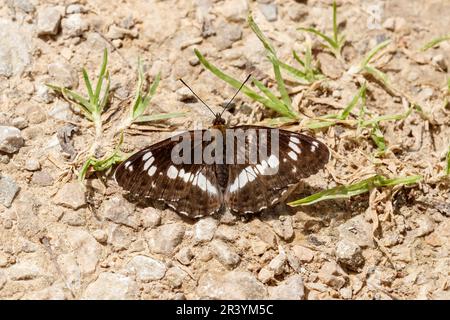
<point x="251" y="173"/>
<point x="172" y="172"/>
<point x="293" y="155"/>
<point x="294" y="147"/>
<point x="295" y="139"/>
<point x="243" y="178"/>
<point x="315" y="143"/>
<point x="146" y="156"/>
<point x="130" y="168"/>
<point x="152" y="171"/>
<point x="127" y="164"/>
<point x="273" y="161"/>
<point x="148" y="163"/>
<point x="313" y="148"/>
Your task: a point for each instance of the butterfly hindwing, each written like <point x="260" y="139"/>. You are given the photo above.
<point x="190" y="189"/>
<point x="254" y="187"/>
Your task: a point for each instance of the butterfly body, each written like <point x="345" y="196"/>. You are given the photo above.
<point x="245" y="184"/>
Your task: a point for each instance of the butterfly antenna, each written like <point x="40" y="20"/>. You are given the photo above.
<point x="182" y="81"/>
<point x="229" y="102"/>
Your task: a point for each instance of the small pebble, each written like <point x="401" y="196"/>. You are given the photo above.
<point x="32" y="164"/>
<point x="48" y="21"/>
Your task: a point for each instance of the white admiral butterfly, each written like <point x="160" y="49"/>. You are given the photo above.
<point x="198" y="188"/>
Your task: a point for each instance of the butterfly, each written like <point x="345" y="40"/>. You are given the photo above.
<point x="237" y="175"/>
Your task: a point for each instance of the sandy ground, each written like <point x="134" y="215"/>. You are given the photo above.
<point x="60" y="241"/>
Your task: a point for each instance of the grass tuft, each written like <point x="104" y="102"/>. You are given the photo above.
<point x="92" y="106"/>
<point x="334" y="43"/>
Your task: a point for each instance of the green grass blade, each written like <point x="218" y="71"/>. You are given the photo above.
<point x="346" y="112"/>
<point x="155" y="84"/>
<point x="88" y="86"/>
<point x="160" y="116"/>
<point x="373" y="52"/>
<point x="330" y="41"/>
<point x="105" y="98"/>
<point x="294" y="71"/>
<point x="260" y="35"/>
<point x="280" y="82"/>
<point x="377" y="74"/>
<point x="378" y="139"/>
<point x="335" y="26"/>
<point x="435" y="42"/>
<point x="344" y="192"/>
<point x="268" y="93"/>
<point x="296" y="57"/>
<point x="101" y="75"/>
<point x="389" y="117"/>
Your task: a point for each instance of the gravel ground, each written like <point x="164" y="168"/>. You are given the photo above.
<point x="59" y="240"/>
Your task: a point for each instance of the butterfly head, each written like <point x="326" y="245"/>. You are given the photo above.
<point x="218" y="120"/>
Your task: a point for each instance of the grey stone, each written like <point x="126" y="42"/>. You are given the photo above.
<point x="234" y="285"/>
<point x="75" y="8"/>
<point x="204" y="229"/>
<point x="100" y="235"/>
<point x="227" y="34"/>
<point x="265" y="275"/>
<point x="26" y="270"/>
<point x="73" y="218"/>
<point x="227" y="233"/>
<point x="330" y="274"/>
<point x="42" y="178"/>
<point x="269" y="10"/>
<point x="150" y="218"/>
<point x="48" y="21"/>
<point x="121" y="237"/>
<point x="175" y="276"/>
<point x="349" y="254"/>
<point x="291" y="288"/>
<point x="116" y="33"/>
<point x="357" y="230"/>
<point x="32" y="164"/>
<point x="24" y="5"/>
<point x="284" y="228"/>
<point x="62" y="74"/>
<point x="60" y="110"/>
<point x="146" y="268"/>
<point x="14" y="48"/>
<point x="225" y="254"/>
<point x="71" y="195"/>
<point x="8" y="190"/>
<point x="303" y="254"/>
<point x="43" y="93"/>
<point x="69" y="268"/>
<point x="120" y="211"/>
<point x="110" y="286"/>
<point x="278" y="263"/>
<point x="86" y="249"/>
<point x="439" y="60"/>
<point x="56" y="291"/>
<point x="74" y="25"/>
<point x="10" y="139"/>
<point x="234" y="10"/>
<point x="184" y="255"/>
<point x="166" y="238"/>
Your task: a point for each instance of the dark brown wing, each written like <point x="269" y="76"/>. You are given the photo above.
<point x="190" y="189"/>
<point x="254" y="187"/>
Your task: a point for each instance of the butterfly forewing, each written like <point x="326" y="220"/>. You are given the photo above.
<point x="190" y="189"/>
